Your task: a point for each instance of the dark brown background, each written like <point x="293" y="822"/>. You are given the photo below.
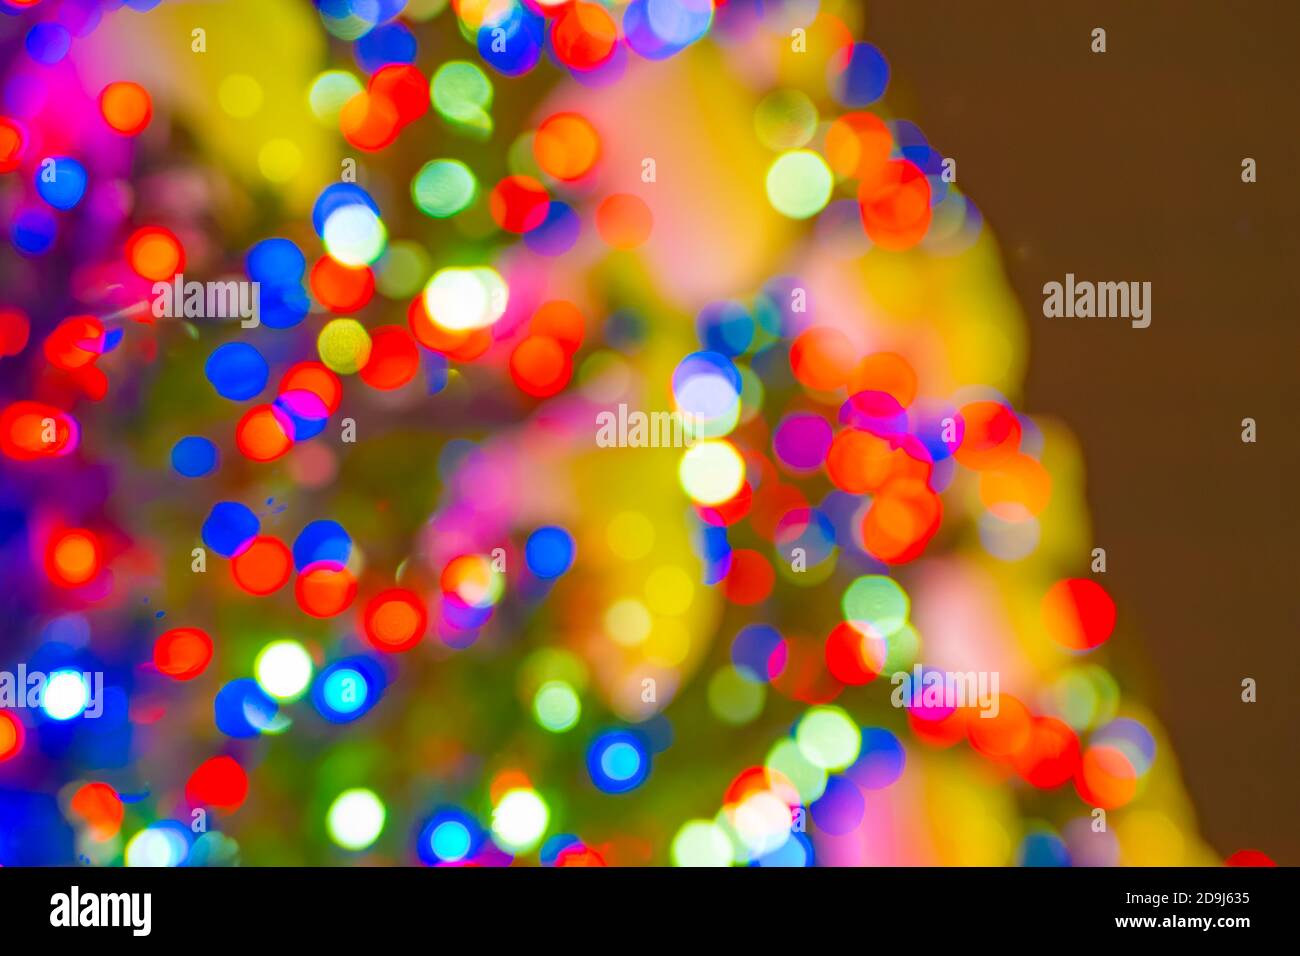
<point x="1127" y="166"/>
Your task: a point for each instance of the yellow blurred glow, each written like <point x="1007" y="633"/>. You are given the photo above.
<point x="669" y="590"/>
<point x="630" y="535"/>
<point x="279" y="160"/>
<point x="1149" y="838"/>
<point x="627" y="622"/>
<point x="240" y="95"/>
<point x="669" y="642"/>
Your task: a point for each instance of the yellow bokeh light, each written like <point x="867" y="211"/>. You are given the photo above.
<point x="344" y="345"/>
<point x="630" y="535"/>
<point x="279" y="160"/>
<point x="240" y="95"/>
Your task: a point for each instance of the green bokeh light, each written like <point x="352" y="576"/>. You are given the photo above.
<point x="799" y="184"/>
<point x="443" y="188"/>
